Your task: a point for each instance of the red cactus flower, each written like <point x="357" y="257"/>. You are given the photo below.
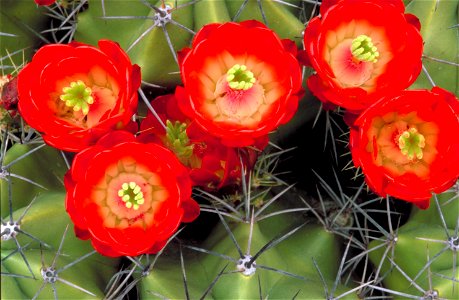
<point x="74" y="94"/>
<point x="9" y="116"/>
<point x="212" y="165"/>
<point x="240" y="81"/>
<point x="9" y="94"/>
<point x="362" y="50"/>
<point x="407" y="145"/>
<point x="126" y="196"/>
<point x="45" y="2"/>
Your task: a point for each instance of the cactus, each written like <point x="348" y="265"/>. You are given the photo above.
<point x="22" y="168"/>
<point x="424" y="258"/>
<point x="298" y="222"/>
<point x="163" y="28"/>
<point x="20" y="32"/>
<point x="63" y="266"/>
<point x="437" y="27"/>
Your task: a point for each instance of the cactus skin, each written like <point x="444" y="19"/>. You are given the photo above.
<point x="152" y="53"/>
<point x="166" y="278"/>
<point x="20" y="18"/>
<point x="43" y="220"/>
<point x="280" y="18"/>
<point x="206" y="12"/>
<point x="294" y="255"/>
<point x="45" y="167"/>
<point x="413" y="250"/>
<point x="92" y="26"/>
<point x="82" y="274"/>
<point x="46" y="220"/>
<point x="14" y="291"/>
<point x="47" y="211"/>
<point x="439" y="31"/>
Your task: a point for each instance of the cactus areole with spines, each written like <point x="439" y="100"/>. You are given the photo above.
<point x="246" y="266"/>
<point x="9" y="230"/>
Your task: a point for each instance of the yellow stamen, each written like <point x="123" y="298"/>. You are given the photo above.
<point x="362" y="49"/>
<point x="78" y="96"/>
<point x="131" y="194"/>
<point x="239" y="78"/>
<point x="411" y="143"/>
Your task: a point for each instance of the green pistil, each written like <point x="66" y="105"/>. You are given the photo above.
<point x="178" y="140"/>
<point x="239" y="78"/>
<point x="78" y="96"/>
<point x="411" y="143"/>
<point x="362" y="48"/>
<point x="131" y="194"/>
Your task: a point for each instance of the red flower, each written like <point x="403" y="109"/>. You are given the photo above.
<point x="128" y="197"/>
<point x="45" y="2"/>
<point x="76" y="93"/>
<point x="212" y="165"/>
<point x="8" y="102"/>
<point x="361" y="51"/>
<point x="9" y="94"/>
<point x="240" y="81"/>
<point x="407" y="145"/>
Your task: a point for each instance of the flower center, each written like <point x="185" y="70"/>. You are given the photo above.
<point x="78" y="96"/>
<point x="131" y="194"/>
<point x="411" y="143"/>
<point x="362" y="49"/>
<point x="239" y="78"/>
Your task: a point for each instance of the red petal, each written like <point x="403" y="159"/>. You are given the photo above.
<point x="182" y="54"/>
<point x="191" y="210"/>
<point x="204" y="33"/>
<point x="157" y="247"/>
<point x="252" y="24"/>
<point x="413" y="20"/>
<point x="326" y="4"/>
<point x="423" y="204"/>
<point x="82" y="233"/>
<point x="290" y="46"/>
<point x="105" y="249"/>
<point x="45" y="2"/>
<point x="115" y="137"/>
<point x="303" y="58"/>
